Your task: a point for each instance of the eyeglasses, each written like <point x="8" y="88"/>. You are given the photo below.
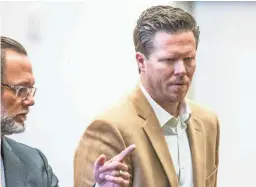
<point x="21" y="91"/>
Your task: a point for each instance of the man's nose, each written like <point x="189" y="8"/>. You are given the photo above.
<point x="29" y="100"/>
<point x="179" y="68"/>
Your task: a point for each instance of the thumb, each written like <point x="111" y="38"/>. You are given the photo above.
<point x="99" y="162"/>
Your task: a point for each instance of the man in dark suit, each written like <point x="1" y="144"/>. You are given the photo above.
<point x="21" y="165"/>
<point x="24" y="166"/>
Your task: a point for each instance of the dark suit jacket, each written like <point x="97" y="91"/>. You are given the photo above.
<point x="25" y="166"/>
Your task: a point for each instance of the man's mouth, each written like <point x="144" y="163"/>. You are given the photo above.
<point x="177" y="84"/>
<point x="21" y="116"/>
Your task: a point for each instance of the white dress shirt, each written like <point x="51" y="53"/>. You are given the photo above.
<point x="175" y="133"/>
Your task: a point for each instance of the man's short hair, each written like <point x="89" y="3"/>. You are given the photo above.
<point x="8" y="43"/>
<point x="161" y="18"/>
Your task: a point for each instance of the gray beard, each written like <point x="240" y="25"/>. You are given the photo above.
<point x="8" y="124"/>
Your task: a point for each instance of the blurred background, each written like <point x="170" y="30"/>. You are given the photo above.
<point x="83" y="58"/>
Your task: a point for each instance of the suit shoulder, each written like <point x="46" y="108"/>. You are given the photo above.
<point x="123" y="110"/>
<point x="26" y="153"/>
<point x="33" y="160"/>
<point x="19" y="146"/>
<point x="204" y="114"/>
<point x="199" y="109"/>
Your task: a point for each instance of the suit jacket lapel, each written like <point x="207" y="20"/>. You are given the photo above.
<point x="196" y="138"/>
<point x="156" y="137"/>
<point x="154" y="132"/>
<point x="13" y="167"/>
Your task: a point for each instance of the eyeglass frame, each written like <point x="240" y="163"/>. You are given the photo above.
<point x="17" y="88"/>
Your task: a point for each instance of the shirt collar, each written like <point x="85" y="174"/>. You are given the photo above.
<point x="162" y="115"/>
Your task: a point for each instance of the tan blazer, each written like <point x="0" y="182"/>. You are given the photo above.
<point x="132" y="121"/>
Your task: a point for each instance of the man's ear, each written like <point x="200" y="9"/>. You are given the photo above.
<point x="141" y="61"/>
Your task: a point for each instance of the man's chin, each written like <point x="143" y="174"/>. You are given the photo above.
<point x="174" y="98"/>
<point x="18" y="128"/>
<point x="14" y="128"/>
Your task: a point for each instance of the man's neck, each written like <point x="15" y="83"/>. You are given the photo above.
<point x="172" y="108"/>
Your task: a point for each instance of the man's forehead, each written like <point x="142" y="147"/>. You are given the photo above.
<point x="18" y="69"/>
<point x="13" y="56"/>
<point x="178" y="38"/>
<point x="183" y="43"/>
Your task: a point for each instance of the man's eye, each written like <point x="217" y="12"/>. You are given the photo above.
<point x="170" y="60"/>
<point x="188" y="59"/>
<point x="22" y="91"/>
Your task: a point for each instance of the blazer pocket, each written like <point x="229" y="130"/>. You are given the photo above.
<point x="211" y="178"/>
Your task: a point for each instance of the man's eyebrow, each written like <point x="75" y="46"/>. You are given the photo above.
<point x="23" y="83"/>
<point x="190" y="53"/>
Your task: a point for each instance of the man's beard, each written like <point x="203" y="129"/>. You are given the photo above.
<point x="9" y="125"/>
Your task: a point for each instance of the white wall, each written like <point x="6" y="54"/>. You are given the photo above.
<point x="225" y="81"/>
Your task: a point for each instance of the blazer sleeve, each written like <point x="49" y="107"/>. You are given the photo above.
<point x="50" y="177"/>
<point x="101" y="137"/>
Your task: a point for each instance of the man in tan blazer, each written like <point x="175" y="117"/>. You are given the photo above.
<point x="177" y="140"/>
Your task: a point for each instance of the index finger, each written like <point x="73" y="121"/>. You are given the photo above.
<point x="125" y="152"/>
